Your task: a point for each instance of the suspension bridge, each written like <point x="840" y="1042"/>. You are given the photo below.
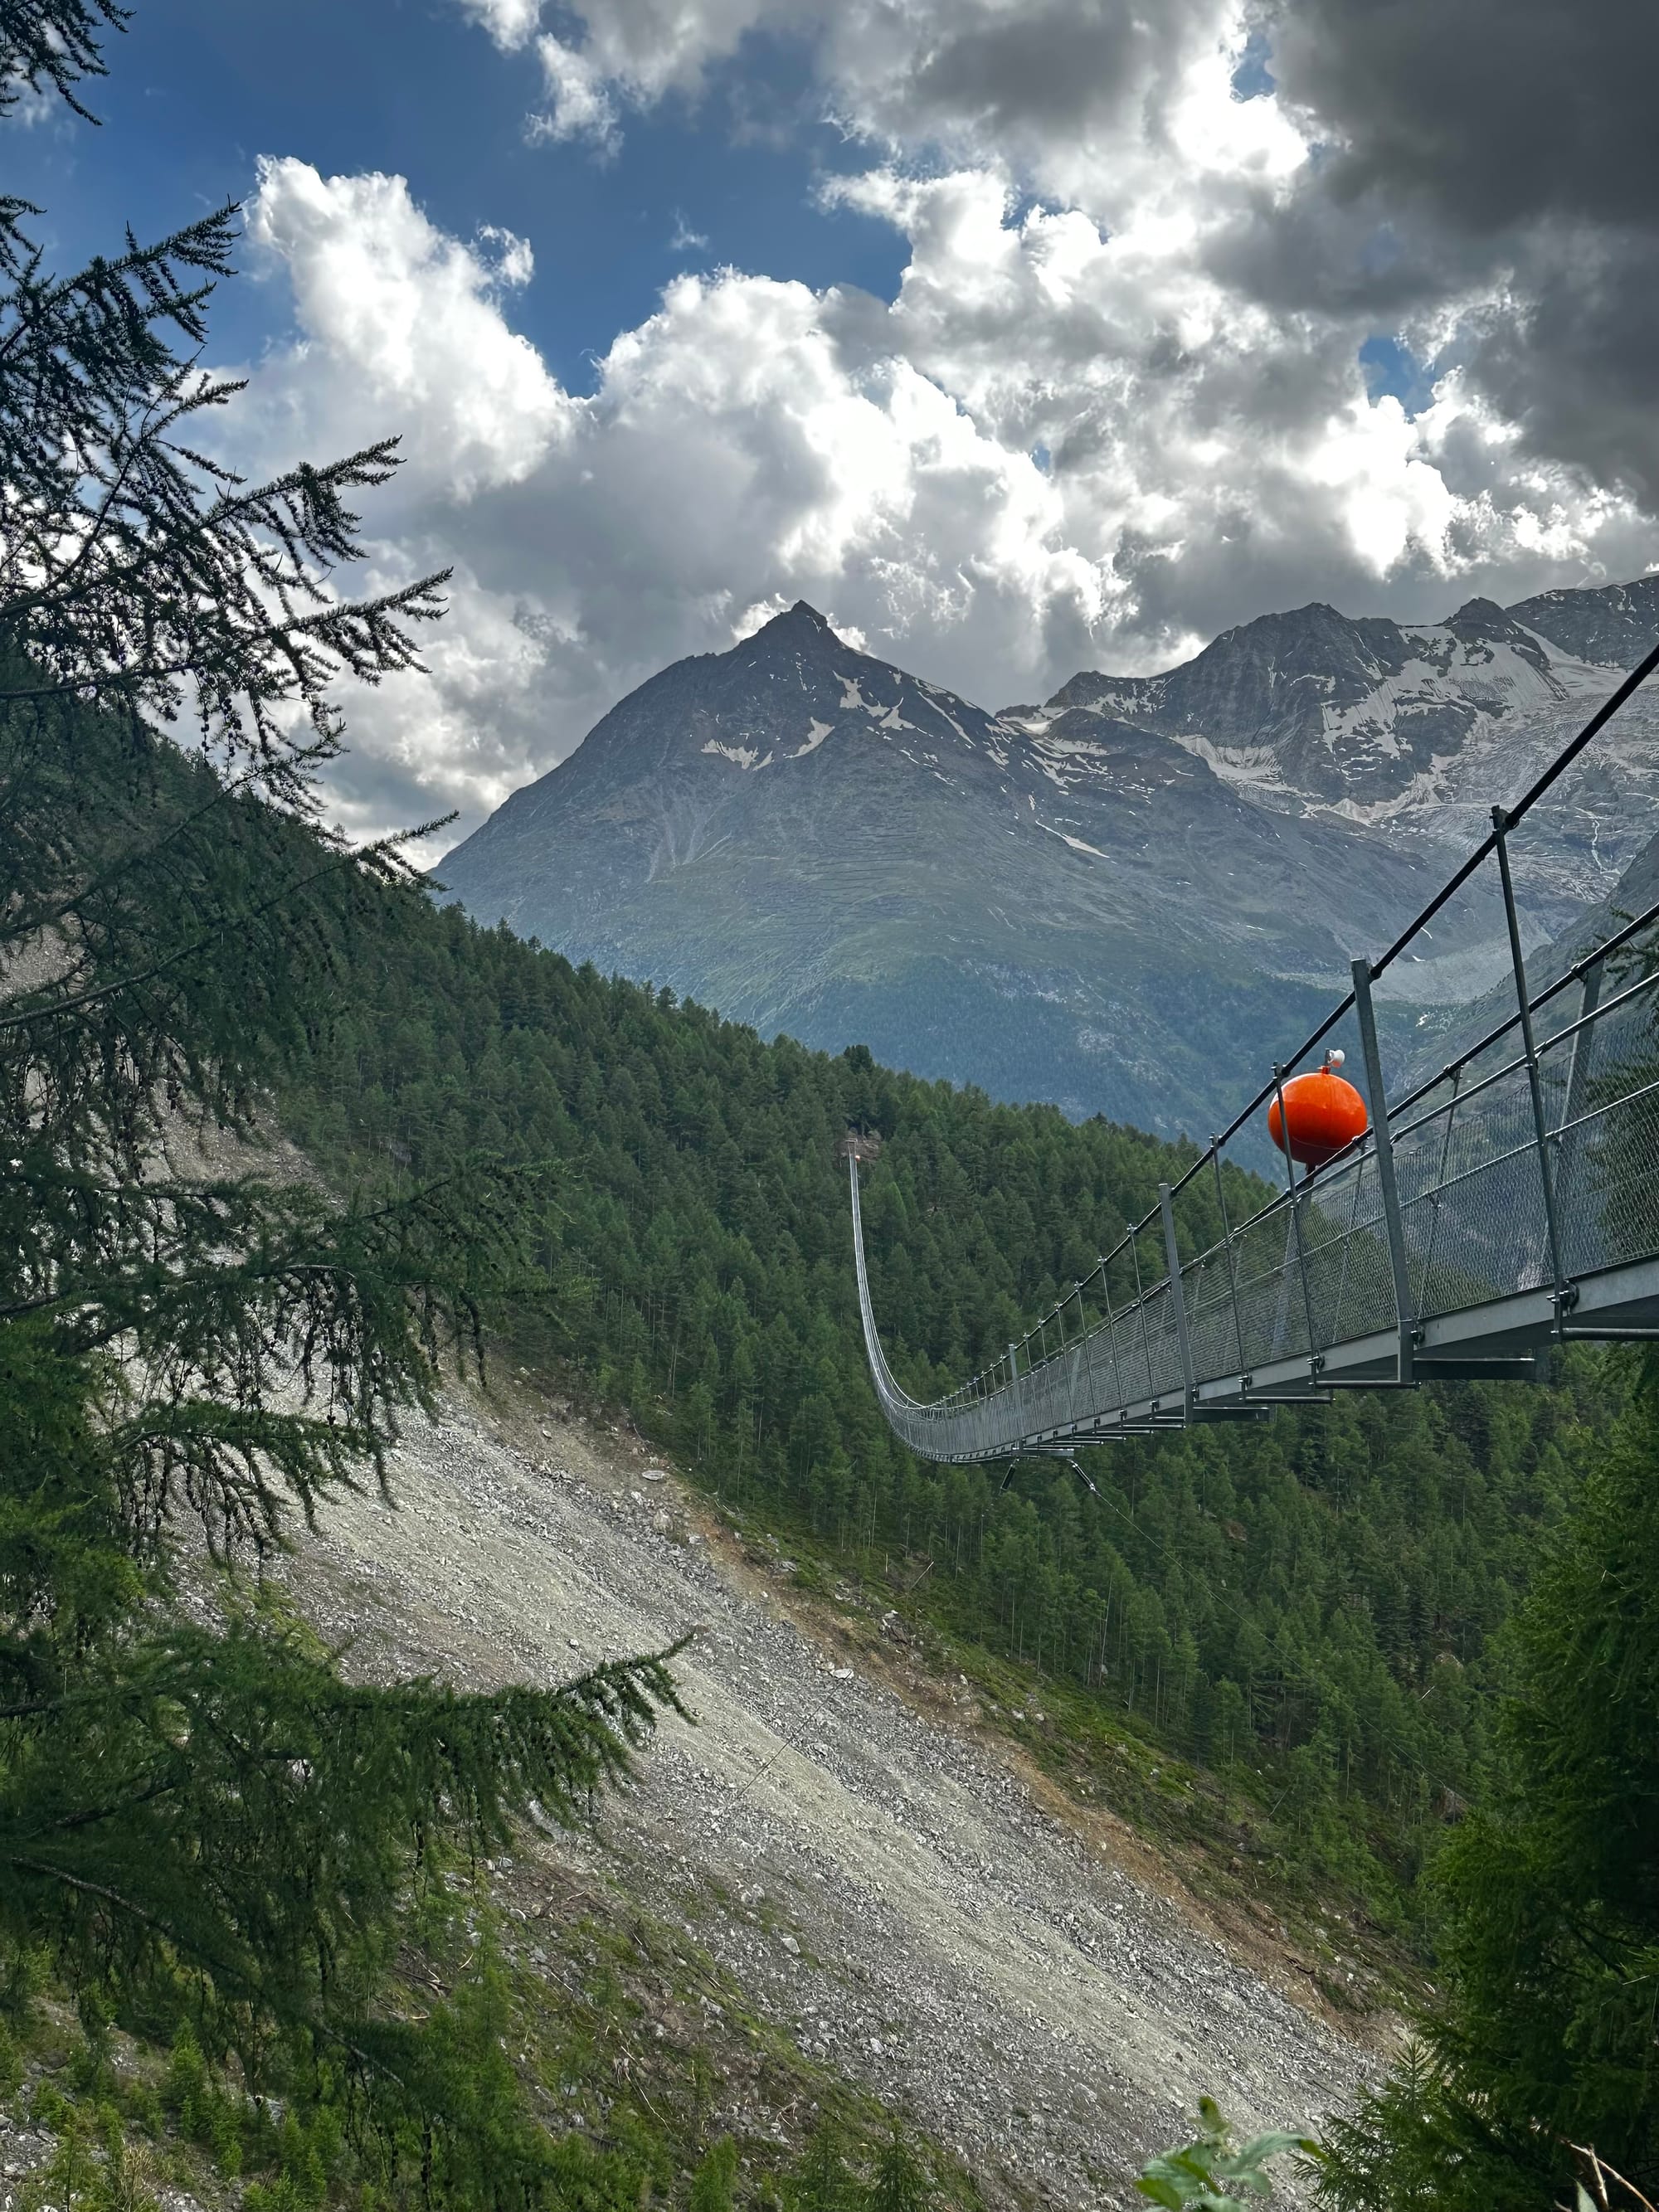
<point x="1507" y="1204"/>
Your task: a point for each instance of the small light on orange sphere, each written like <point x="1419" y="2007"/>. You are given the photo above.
<point x="1325" y="1114"/>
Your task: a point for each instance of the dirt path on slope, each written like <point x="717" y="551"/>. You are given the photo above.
<point x="885" y="1888"/>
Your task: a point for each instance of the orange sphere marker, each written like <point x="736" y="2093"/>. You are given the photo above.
<point x="1325" y="1114"/>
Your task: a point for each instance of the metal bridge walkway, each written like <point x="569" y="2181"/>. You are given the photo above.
<point x="1509" y="1204"/>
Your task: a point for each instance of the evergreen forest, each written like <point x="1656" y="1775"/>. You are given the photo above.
<point x="1314" y="1597"/>
<point x="288" y="1145"/>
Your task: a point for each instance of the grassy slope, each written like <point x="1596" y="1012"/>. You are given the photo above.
<point x="619" y="2034"/>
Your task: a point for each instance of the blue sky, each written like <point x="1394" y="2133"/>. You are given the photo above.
<point x="1018" y="336"/>
<point x="199" y="88"/>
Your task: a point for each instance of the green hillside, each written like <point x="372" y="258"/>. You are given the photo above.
<point x="247" y="1946"/>
<point x="1312" y="1599"/>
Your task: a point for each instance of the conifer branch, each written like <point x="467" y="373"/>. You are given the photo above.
<point x="209" y="1353"/>
<point x="57" y="41"/>
<point x="365" y="857"/>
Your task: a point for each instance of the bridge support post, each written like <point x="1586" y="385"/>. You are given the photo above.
<point x="1578" y="1068"/>
<point x="1167" y="1209"/>
<point x="1565" y="1293"/>
<point x="1232" y="1260"/>
<point x="1383" y="1145"/>
<point x="1569" y="1144"/>
<point x="1295" y="1239"/>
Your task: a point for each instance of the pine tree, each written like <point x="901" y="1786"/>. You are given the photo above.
<point x="716" y="2178"/>
<point x="1548" y="1899"/>
<point x="821" y="2181"/>
<point x="900" y="2182"/>
<point x="198" y="1340"/>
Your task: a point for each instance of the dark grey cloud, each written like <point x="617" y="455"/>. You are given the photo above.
<point x="1492" y="113"/>
<point x="1070" y="65"/>
<point x="1573" y="358"/>
<point x="1321" y="253"/>
<point x="1487" y="181"/>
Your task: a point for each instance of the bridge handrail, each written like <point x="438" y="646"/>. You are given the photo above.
<point x="988" y="1383"/>
<point x="1575" y="974"/>
<point x="888" y="1389"/>
<point x="1007" y="1374"/>
<point x="1483" y="852"/>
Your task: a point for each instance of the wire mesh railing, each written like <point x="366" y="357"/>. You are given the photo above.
<point x="1530" y="1162"/>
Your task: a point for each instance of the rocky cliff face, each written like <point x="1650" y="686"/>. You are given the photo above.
<point x="1611" y="628"/>
<point x="1124" y="900"/>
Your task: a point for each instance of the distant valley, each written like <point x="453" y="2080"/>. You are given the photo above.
<point x="1124" y="899"/>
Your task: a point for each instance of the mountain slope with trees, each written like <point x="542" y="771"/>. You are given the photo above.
<point x="1315" y="1595"/>
<point x="1536" y="2066"/>
<point x="208" y="1835"/>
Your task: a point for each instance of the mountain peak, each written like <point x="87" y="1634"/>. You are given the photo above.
<point x="1480" y="614"/>
<point x="796" y="625"/>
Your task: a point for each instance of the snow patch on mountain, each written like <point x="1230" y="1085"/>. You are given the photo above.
<point x="1077" y="845"/>
<point x="949" y="720"/>
<point x="1256" y="767"/>
<point x="740" y="755"/>
<point x="1410" y="729"/>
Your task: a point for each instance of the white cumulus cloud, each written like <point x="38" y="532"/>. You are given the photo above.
<point x="1074" y="438"/>
<point x="402" y="330"/>
<point x="511" y="23"/>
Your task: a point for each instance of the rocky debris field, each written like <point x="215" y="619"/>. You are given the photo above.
<point x="31" y="2179"/>
<point x="23" y="2150"/>
<point x="883" y="1887"/>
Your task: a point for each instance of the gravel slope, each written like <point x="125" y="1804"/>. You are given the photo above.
<point x="884" y="1885"/>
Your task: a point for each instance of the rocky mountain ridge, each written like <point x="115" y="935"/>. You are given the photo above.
<point x="1417" y="728"/>
<point x="1124" y="900"/>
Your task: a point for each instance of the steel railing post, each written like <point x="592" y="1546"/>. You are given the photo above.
<point x="1578" y="1068"/>
<point x="1383" y="1145"/>
<point x="1166" y="1208"/>
<point x="1296" y="1211"/>
<point x="1563" y="1293"/>
<point x="1227" y="1242"/>
<point x="1568" y="1146"/>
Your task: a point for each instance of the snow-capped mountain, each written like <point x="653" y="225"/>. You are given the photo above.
<point x="1417" y="730"/>
<point x="1126" y="900"/>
